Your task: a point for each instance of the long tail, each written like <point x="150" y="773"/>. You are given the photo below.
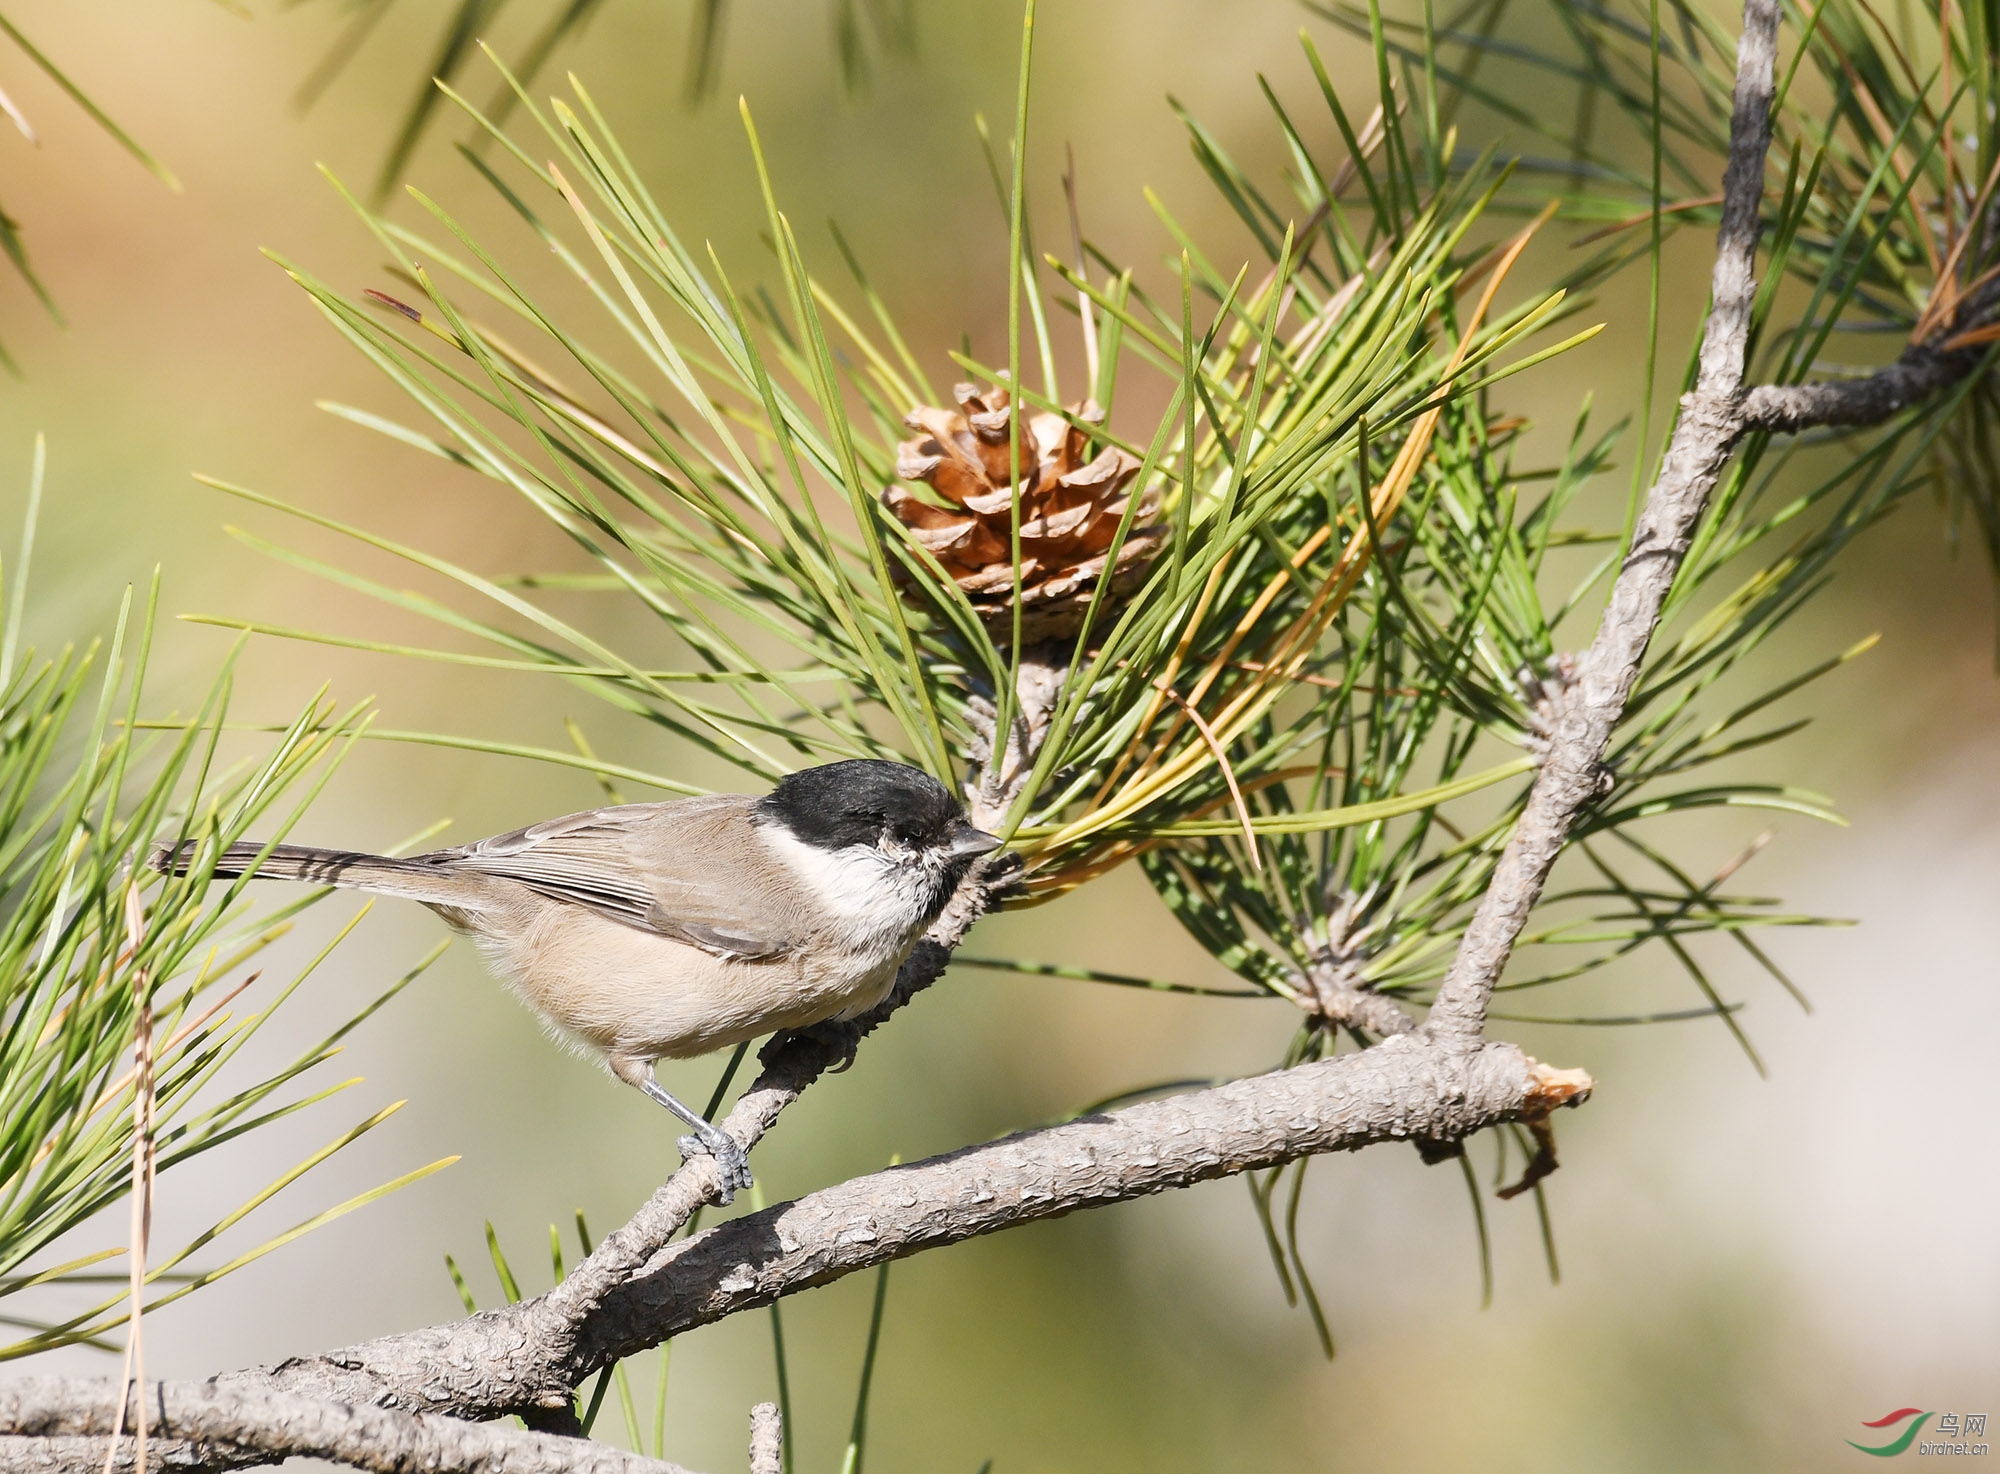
<point x="416" y="880"/>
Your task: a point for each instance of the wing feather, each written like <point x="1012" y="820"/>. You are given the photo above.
<point x="678" y="869"/>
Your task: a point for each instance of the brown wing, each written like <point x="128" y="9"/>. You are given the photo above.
<point x="686" y="869"/>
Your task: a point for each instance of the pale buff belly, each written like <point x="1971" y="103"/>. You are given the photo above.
<point x="644" y="996"/>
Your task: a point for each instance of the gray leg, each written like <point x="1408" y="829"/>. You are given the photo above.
<point x="714" y="1141"/>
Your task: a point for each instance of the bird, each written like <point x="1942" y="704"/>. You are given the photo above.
<point x="667" y="930"/>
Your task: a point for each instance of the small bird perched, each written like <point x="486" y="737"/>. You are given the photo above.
<point x="666" y="930"/>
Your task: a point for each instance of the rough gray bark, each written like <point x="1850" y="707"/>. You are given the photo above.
<point x="1402" y="1089"/>
<point x="1923" y="370"/>
<point x="1332" y="985"/>
<point x="1356" y="1008"/>
<point x="767" y="1440"/>
<point x="51" y="1412"/>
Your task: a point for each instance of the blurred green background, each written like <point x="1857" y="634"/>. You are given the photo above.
<point x="1750" y="1268"/>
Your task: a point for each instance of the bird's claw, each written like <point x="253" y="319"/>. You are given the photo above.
<point x="730" y="1159"/>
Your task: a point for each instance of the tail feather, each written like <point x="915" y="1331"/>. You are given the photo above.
<point x="417" y="880"/>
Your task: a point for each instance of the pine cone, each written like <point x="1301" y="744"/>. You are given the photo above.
<point x="1069" y="511"/>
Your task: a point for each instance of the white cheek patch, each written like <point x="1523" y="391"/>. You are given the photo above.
<point x="857" y="883"/>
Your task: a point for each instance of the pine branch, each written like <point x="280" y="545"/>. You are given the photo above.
<point x="1924" y="369"/>
<point x="1714" y="417"/>
<point x="534" y="1353"/>
<point x="54" y="1412"/>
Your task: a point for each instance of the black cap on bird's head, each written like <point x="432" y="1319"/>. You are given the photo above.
<point x="866" y="801"/>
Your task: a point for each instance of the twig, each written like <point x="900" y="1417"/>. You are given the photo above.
<point x="1714" y="417"/>
<point x="1401" y="1089"/>
<point x="767" y="1440"/>
<point x="50" y="1414"/>
<point x="1710" y="423"/>
<point x="1923" y="369"/>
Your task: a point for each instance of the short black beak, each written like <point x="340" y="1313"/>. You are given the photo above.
<point x="967" y="842"/>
